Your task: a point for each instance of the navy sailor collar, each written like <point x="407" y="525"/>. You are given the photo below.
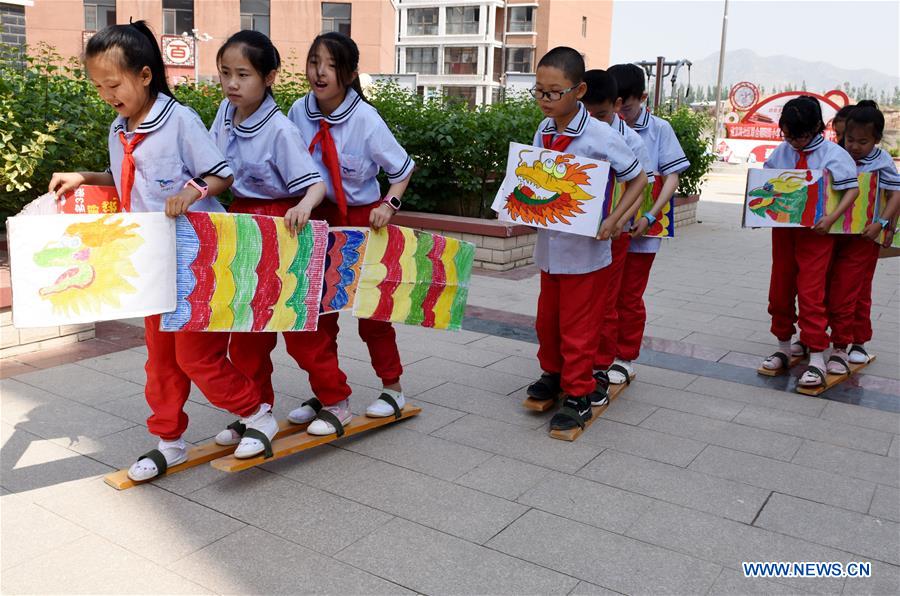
<point x="575" y="127"/>
<point x="340" y="115"/>
<point x="159" y="112"/>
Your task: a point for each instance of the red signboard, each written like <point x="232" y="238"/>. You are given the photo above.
<point x="177" y="50"/>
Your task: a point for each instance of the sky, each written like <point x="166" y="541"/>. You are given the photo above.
<point x="848" y="34"/>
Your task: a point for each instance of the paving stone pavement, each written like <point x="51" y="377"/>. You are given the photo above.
<point x="697" y="467"/>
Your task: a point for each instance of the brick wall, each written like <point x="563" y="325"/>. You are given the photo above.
<point x="12" y="18"/>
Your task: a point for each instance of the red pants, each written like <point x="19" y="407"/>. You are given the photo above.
<point x="630" y="307"/>
<point x="379" y="336"/>
<point x="800" y="261"/>
<point x="850" y="289"/>
<point x="174" y="360"/>
<point x="609" y="326"/>
<point x="568" y="320"/>
<point x="314" y="351"/>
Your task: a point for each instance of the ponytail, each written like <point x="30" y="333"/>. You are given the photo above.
<point x="139" y="48"/>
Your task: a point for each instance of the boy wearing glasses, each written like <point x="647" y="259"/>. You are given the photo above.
<point x="573" y="268"/>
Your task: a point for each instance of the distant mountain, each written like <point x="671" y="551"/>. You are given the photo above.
<point x="778" y="71"/>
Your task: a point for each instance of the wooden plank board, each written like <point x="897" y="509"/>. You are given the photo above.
<point x="795" y="360"/>
<point x="541" y="405"/>
<point x="200" y="454"/>
<point x="596" y="411"/>
<point x="831" y="380"/>
<point x="303" y="441"/>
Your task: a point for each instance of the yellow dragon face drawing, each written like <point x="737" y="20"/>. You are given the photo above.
<point x="96" y="258"/>
<point x="549" y="190"/>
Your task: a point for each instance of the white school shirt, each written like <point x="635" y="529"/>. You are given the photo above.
<point x="561" y="252"/>
<point x="666" y="157"/>
<point x="364" y="145"/>
<point x="636" y="144"/>
<point x="881" y="162"/>
<point x="265" y="151"/>
<point x="822" y="155"/>
<point x="177" y="148"/>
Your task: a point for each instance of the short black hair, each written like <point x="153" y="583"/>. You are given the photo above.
<point x="601" y="87"/>
<point x="843" y="113"/>
<point x="258" y="49"/>
<point x="802" y="115"/>
<point x="566" y="59"/>
<point x="867" y="112"/>
<point x="629" y="79"/>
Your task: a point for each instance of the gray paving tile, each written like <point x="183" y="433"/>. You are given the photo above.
<point x="255" y="562"/>
<point x="485" y="403"/>
<point x="787" y="478"/>
<point x="433" y="345"/>
<point x="127" y="364"/>
<point x="826" y="431"/>
<point x="725" y="434"/>
<point x="472" y="376"/>
<point x="888" y="422"/>
<point x="503" y="477"/>
<point x="423" y="453"/>
<point x="117" y="450"/>
<point x="885" y="579"/>
<point x="587" y="502"/>
<point x="29" y="462"/>
<point x="886" y="503"/>
<point x="729" y="543"/>
<point x="441" y="505"/>
<point x="628" y="411"/>
<point x="684" y="401"/>
<point x="894" y="451"/>
<point x="589" y="589"/>
<point x="146" y="520"/>
<point x="29" y="531"/>
<point x="522" y="366"/>
<point x="732" y="582"/>
<point x="432" y="418"/>
<point x="326" y="523"/>
<point x="603" y="558"/>
<point x="849" y="462"/>
<point x="81" y="384"/>
<point x="464" y="568"/>
<point x="507" y="346"/>
<point x="663" y="376"/>
<point x="760" y="396"/>
<point x="823" y="524"/>
<point x="676" y="485"/>
<point x="462" y="336"/>
<point x="642" y="442"/>
<point x="533" y="446"/>
<point x="92" y="565"/>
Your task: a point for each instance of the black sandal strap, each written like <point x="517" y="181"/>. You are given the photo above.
<point x="621" y="369"/>
<point x="602" y="379"/>
<point x="785" y="360"/>
<point x="252" y="433"/>
<point x="860" y="349"/>
<point x="840" y="361"/>
<point x="156" y="456"/>
<point x="237" y="426"/>
<point x="386" y="398"/>
<point x="313" y="403"/>
<point x="333" y="420"/>
<point x="818" y="372"/>
<point x="571" y="413"/>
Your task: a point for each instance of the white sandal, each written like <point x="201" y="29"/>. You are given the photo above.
<point x="157" y="461"/>
<point x="257" y="438"/>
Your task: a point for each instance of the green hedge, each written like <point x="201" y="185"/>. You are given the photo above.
<point x="52" y="119"/>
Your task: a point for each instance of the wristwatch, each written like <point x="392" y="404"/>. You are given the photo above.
<point x="884" y="222"/>
<point x="201" y="185"/>
<point x="393" y="202"/>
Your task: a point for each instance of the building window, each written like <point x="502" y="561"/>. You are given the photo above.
<point x="336" y="17"/>
<point x="422" y="21"/>
<point x="461" y="94"/>
<point x="519" y="59"/>
<point x="498" y="65"/>
<point x="422" y="60"/>
<point x="462" y="20"/>
<point x="99" y="14"/>
<point x="521" y="19"/>
<point x="583" y="26"/>
<point x="255" y="15"/>
<point x="461" y="61"/>
<point x="497" y="95"/>
<point x="178" y="16"/>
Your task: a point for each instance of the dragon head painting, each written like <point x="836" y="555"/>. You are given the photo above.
<point x="783" y="198"/>
<point x="549" y="190"/>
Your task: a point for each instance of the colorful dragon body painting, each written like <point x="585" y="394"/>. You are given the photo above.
<point x="790" y="197"/>
<point x="549" y="190"/>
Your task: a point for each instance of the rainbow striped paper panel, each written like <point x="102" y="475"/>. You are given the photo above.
<point x="242" y="272"/>
<point x="664" y="226"/>
<point x="343" y="261"/>
<point x="860" y="214"/>
<point x="415" y="278"/>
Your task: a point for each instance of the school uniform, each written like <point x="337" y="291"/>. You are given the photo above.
<point x="609" y="328"/>
<point x="800" y="256"/>
<point x="273" y="170"/>
<point x="666" y="157"/>
<point x="853" y="266"/>
<point x="362" y="145"/>
<point x="150" y="164"/>
<point x="574" y="268"/>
